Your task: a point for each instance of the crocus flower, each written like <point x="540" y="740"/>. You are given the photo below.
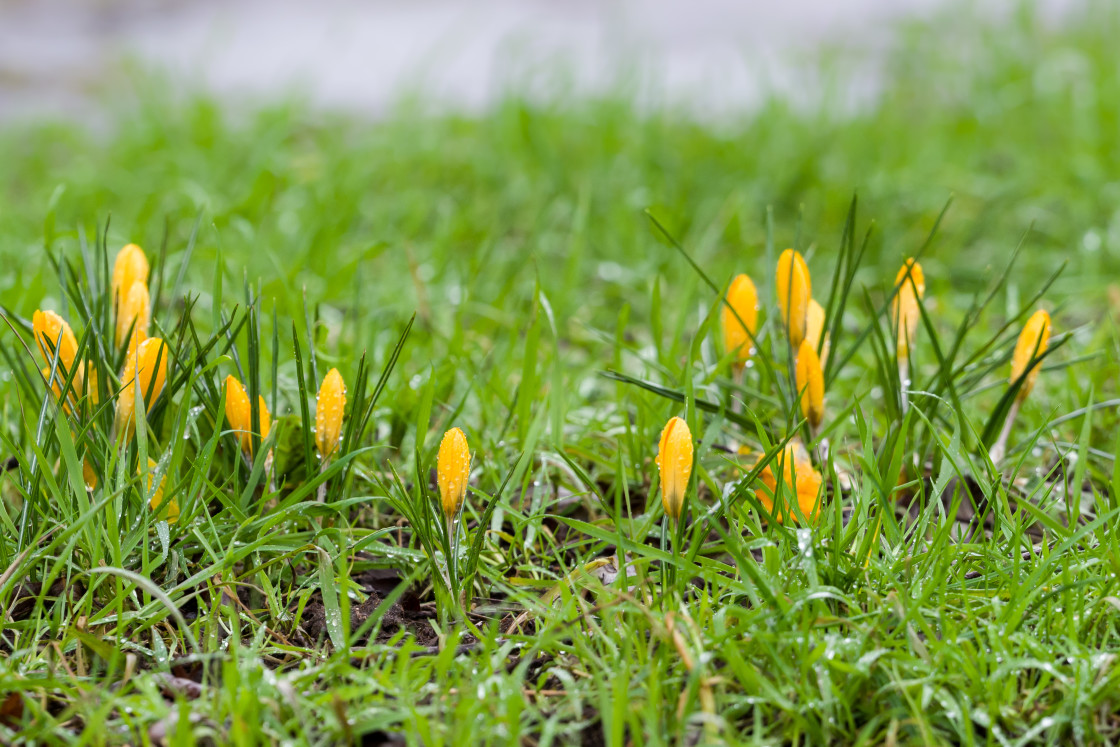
<point x="814" y="328"/>
<point x="453" y="470"/>
<point x="798" y="472"/>
<point x="239" y="412"/>
<point x="1033" y="341"/>
<point x="131" y="266"/>
<point x="904" y="308"/>
<point x="674" y="462"/>
<point x="742" y="300"/>
<point x="134" y="313"/>
<point x="794" y="291"/>
<point x="168" y="509"/>
<point x="329" y="408"/>
<point x="810" y="383"/>
<point x="51" y="332"/>
<point x="148" y="369"/>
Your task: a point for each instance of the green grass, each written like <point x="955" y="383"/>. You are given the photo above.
<point x="519" y="240"/>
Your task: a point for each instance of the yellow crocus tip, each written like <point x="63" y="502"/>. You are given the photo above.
<point x="168" y="510"/>
<point x="742" y="300"/>
<point x="240" y="414"/>
<point x="453" y="471"/>
<point x="674" y="462"/>
<point x="52" y="331"/>
<point x="134" y="313"/>
<point x="797" y="471"/>
<point x="1033" y="341"/>
<point x="130" y="266"/>
<point x="329" y="408"/>
<point x="795" y="289"/>
<point x="148" y="368"/>
<point x="814" y="328"/>
<point x="810" y="383"/>
<point x="905" y="311"/>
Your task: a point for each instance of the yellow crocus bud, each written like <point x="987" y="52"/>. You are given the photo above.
<point x="810" y="383"/>
<point x="1032" y="343"/>
<point x="131" y="266"/>
<point x="453" y="471"/>
<point x="742" y="297"/>
<point x="168" y="510"/>
<point x="797" y="471"/>
<point x="89" y="475"/>
<point x="52" y="331"/>
<point x="329" y="408"/>
<point x="134" y="313"/>
<point x="794" y="291"/>
<point x="904" y="308"/>
<point x="674" y="462"/>
<point x="148" y="369"/>
<point x="240" y="414"/>
<point x="814" y="328"/>
<point x="88" y="387"/>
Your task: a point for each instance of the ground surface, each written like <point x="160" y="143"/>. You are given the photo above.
<point x="938" y="598"/>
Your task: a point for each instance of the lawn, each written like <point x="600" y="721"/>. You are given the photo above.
<point x="547" y="277"/>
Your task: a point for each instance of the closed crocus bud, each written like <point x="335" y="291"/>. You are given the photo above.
<point x="329" y="407"/>
<point x="148" y="369"/>
<point x="134" y="314"/>
<point x="814" y="328"/>
<point x="89" y="475"/>
<point x="240" y="414"/>
<point x="131" y="266"/>
<point x="168" y="509"/>
<point x="453" y="470"/>
<point x="795" y="289"/>
<point x="1033" y="341"/>
<point x="742" y="300"/>
<point x="799" y="474"/>
<point x="52" y="331"/>
<point x="905" y="313"/>
<point x="674" y="462"/>
<point x="810" y="383"/>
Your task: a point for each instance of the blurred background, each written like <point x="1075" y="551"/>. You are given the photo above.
<point x="362" y="56"/>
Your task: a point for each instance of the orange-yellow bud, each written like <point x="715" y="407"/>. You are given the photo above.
<point x="240" y="414"/>
<point x="453" y="471"/>
<point x="1033" y="341"/>
<point x="674" y="462"/>
<point x="328" y="413"/>
<point x="794" y="291"/>
<point x="168" y="509"/>
<point x="814" y="328"/>
<point x="89" y="475"/>
<point x="810" y="383"/>
<point x="134" y="313"/>
<point x="743" y="298"/>
<point x="131" y="266"/>
<point x="52" y="331"/>
<point x="148" y="369"/>
<point x="904" y="308"/>
<point x="797" y="471"/>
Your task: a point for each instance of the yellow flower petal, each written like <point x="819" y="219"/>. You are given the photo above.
<point x="814" y="328"/>
<point x="810" y="383"/>
<point x="51" y="330"/>
<point x="797" y="471"/>
<point x="168" y="510"/>
<point x="794" y="291"/>
<point x="135" y="314"/>
<point x="148" y="368"/>
<point x="743" y="298"/>
<point x="131" y="266"/>
<point x="904" y="308"/>
<point x="453" y="471"/>
<point x="240" y="414"/>
<point x="674" y="462"/>
<point x="329" y="409"/>
<point x="1033" y="341"/>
